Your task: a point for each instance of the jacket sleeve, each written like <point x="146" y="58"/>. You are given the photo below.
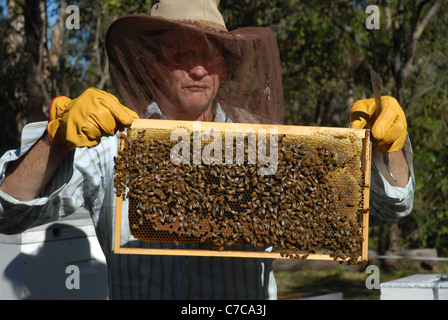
<point x="17" y="216"/>
<point x="389" y="203"/>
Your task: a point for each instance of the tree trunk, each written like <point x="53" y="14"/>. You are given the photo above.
<point x="393" y="238"/>
<point x="35" y="33"/>
<point x="56" y="55"/>
<point x="404" y="56"/>
<point x="13" y="67"/>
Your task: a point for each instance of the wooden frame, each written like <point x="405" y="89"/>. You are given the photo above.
<point x="361" y="134"/>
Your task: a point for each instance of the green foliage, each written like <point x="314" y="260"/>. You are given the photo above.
<point x="325" y="49"/>
<point x="427" y="114"/>
<point x="323" y="64"/>
<point x="11" y="80"/>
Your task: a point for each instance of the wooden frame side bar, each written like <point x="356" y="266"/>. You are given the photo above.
<point x="366" y="169"/>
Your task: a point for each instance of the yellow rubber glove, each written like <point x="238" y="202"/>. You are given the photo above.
<point x="388" y="129"/>
<point x="82" y="122"/>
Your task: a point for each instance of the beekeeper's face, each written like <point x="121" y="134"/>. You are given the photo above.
<point x="193" y="79"/>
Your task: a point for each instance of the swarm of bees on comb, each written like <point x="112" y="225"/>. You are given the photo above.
<point x="311" y="203"/>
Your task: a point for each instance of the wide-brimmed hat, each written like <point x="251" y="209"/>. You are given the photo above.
<point x="252" y="89"/>
<point x="201" y="13"/>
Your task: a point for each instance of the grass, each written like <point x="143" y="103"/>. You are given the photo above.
<point x="348" y="280"/>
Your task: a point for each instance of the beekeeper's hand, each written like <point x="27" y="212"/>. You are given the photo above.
<point x="388" y="128"/>
<point x="82" y="122"/>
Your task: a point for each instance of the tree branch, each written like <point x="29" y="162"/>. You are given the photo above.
<point x="417" y="31"/>
<point x="349" y="31"/>
<point x="102" y="67"/>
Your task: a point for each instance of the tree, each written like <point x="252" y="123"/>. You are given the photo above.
<point x="35" y="12"/>
<point x="43" y="59"/>
<point x="325" y="50"/>
<point x="12" y="71"/>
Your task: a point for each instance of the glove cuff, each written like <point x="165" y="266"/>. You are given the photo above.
<point x="59" y="108"/>
<point x="56" y="133"/>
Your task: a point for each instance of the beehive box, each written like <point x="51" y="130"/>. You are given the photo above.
<point x="302" y="190"/>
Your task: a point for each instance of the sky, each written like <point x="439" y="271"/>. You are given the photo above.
<point x="52" y="13"/>
<point x="50" y="7"/>
<point x="3" y="7"/>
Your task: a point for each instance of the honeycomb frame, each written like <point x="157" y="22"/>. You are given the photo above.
<point x="323" y="142"/>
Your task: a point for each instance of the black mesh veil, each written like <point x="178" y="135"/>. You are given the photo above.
<point x="143" y="50"/>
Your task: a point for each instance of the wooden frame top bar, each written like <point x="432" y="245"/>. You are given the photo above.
<point x="221" y="126"/>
